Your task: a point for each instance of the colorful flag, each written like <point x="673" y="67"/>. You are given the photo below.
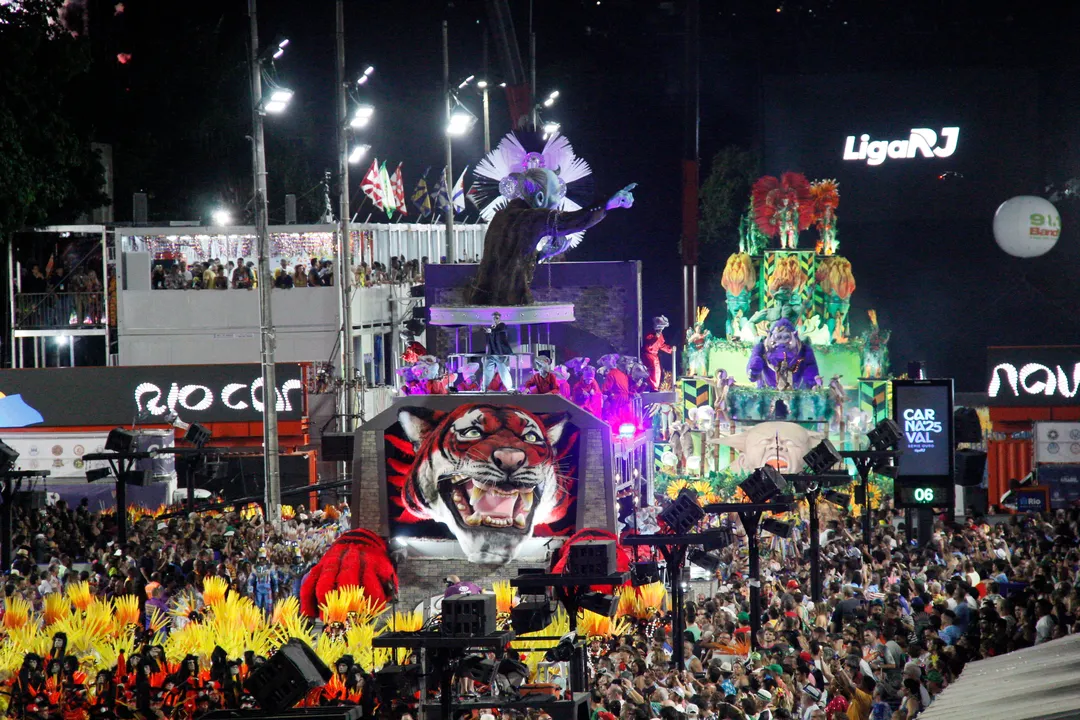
<point x="442" y="196"/>
<point x="421" y="200"/>
<point x="458" y="197"/>
<point x="473" y="196"/>
<point x="371" y="184"/>
<point x="399" y="191"/>
<point x="388" y="205"/>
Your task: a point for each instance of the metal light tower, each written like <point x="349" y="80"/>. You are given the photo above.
<point x="344" y="249"/>
<point x="448" y="173"/>
<point x="266" y="323"/>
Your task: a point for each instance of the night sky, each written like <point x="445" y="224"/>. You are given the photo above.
<point x="177" y="115"/>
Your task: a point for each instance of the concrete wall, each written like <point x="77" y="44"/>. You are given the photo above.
<point x="184" y="327"/>
<point x="606" y="297"/>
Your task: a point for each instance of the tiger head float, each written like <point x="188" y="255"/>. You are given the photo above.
<point x="486" y="472"/>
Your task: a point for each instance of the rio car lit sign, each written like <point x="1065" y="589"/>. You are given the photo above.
<point x="920" y="142"/>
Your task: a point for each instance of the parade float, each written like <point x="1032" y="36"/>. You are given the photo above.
<point x="778" y="369"/>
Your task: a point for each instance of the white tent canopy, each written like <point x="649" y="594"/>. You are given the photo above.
<point x="1038" y="682"/>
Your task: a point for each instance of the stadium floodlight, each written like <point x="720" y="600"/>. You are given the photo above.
<point x="461" y="122"/>
<point x="222" y="217"/>
<point x="362" y="116"/>
<point x="279" y="100"/>
<point x="358" y="153"/>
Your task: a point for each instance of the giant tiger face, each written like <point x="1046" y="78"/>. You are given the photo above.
<point x="488" y="473"/>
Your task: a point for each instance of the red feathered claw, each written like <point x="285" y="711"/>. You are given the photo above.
<point x="358" y="557"/>
<point x="561" y="557"/>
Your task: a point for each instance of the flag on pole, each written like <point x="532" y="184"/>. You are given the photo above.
<point x="458" y="197"/>
<point x="388" y="205"/>
<point x="441" y="194"/>
<point x="399" y="191"/>
<point x="473" y="196"/>
<point x="371" y="184"/>
<point x="421" y="200"/>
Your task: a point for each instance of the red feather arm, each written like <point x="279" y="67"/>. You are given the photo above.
<point x="800" y="188"/>
<point x="762" y="196"/>
<point x="358" y="557"/>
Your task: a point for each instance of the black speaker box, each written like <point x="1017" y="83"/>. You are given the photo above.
<point x="966" y="426"/>
<point x="594" y="558"/>
<point x="330" y="712"/>
<point x="337" y="447"/>
<point x="287" y="676"/>
<point x="970" y="465"/>
<point x="644" y="573"/>
<point x="468" y="615"/>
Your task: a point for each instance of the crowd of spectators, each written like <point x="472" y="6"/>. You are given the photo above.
<point x="59" y="296"/>
<point x="164" y="559"/>
<point x="242" y="274"/>
<point x="896" y="626"/>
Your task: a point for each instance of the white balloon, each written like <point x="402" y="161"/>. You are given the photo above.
<point x="1027" y="226"/>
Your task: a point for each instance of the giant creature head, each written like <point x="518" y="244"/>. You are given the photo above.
<point x="782" y="342"/>
<point x="540" y="187"/>
<point x="486" y="472"/>
<point x="780" y="444"/>
<point x="659" y="323"/>
<point x="542" y="365"/>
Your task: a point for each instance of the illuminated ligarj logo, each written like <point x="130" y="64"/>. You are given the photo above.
<point x="15" y="413"/>
<point x="921" y="141"/>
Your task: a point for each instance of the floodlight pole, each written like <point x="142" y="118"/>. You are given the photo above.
<point x="865" y="461"/>
<point x="750" y="515"/>
<point x="271" y="456"/>
<point x="344" y="249"/>
<point x="815" y="546"/>
<point x="448" y="172"/>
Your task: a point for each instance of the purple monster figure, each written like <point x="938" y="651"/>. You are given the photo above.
<point x="781" y="360"/>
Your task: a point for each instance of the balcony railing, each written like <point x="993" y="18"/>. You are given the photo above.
<point x="53" y="311"/>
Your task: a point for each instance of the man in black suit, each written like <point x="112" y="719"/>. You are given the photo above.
<point x="496" y="359"/>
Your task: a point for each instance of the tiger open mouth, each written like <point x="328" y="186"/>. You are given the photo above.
<point x="500" y="506"/>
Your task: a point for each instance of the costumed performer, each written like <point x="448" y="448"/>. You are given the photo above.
<point x="617" y="408"/>
<point x="436" y="382"/>
<point x="562" y="376"/>
<point x="650" y="351"/>
<point x="781" y="360"/>
<point x="531" y="217"/>
<point x="542" y="381"/>
<point x="698" y="340"/>
<point x="499" y="350"/>
<point x="587" y="392"/>
<point x="467" y="377"/>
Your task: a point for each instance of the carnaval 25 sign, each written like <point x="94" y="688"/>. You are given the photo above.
<point x="1033" y="376"/>
<point x="82" y="396"/>
<point x="923" y="410"/>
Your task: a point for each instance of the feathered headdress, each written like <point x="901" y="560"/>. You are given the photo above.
<point x="702" y="313"/>
<point x="768" y="195"/>
<point x="498" y="175"/>
<point x="824" y="194"/>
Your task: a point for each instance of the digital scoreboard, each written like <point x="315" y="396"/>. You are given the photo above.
<point x="924" y="411"/>
<point x="922" y="494"/>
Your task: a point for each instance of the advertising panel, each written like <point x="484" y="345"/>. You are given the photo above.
<point x="489" y="476"/>
<point x="1033" y="376"/>
<point x="121" y="395"/>
<point x="923" y="409"/>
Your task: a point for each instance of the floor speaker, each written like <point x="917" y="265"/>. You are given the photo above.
<point x="970" y="466"/>
<point x="290" y="674"/>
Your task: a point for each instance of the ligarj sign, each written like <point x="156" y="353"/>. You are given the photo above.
<point x="921" y="142"/>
